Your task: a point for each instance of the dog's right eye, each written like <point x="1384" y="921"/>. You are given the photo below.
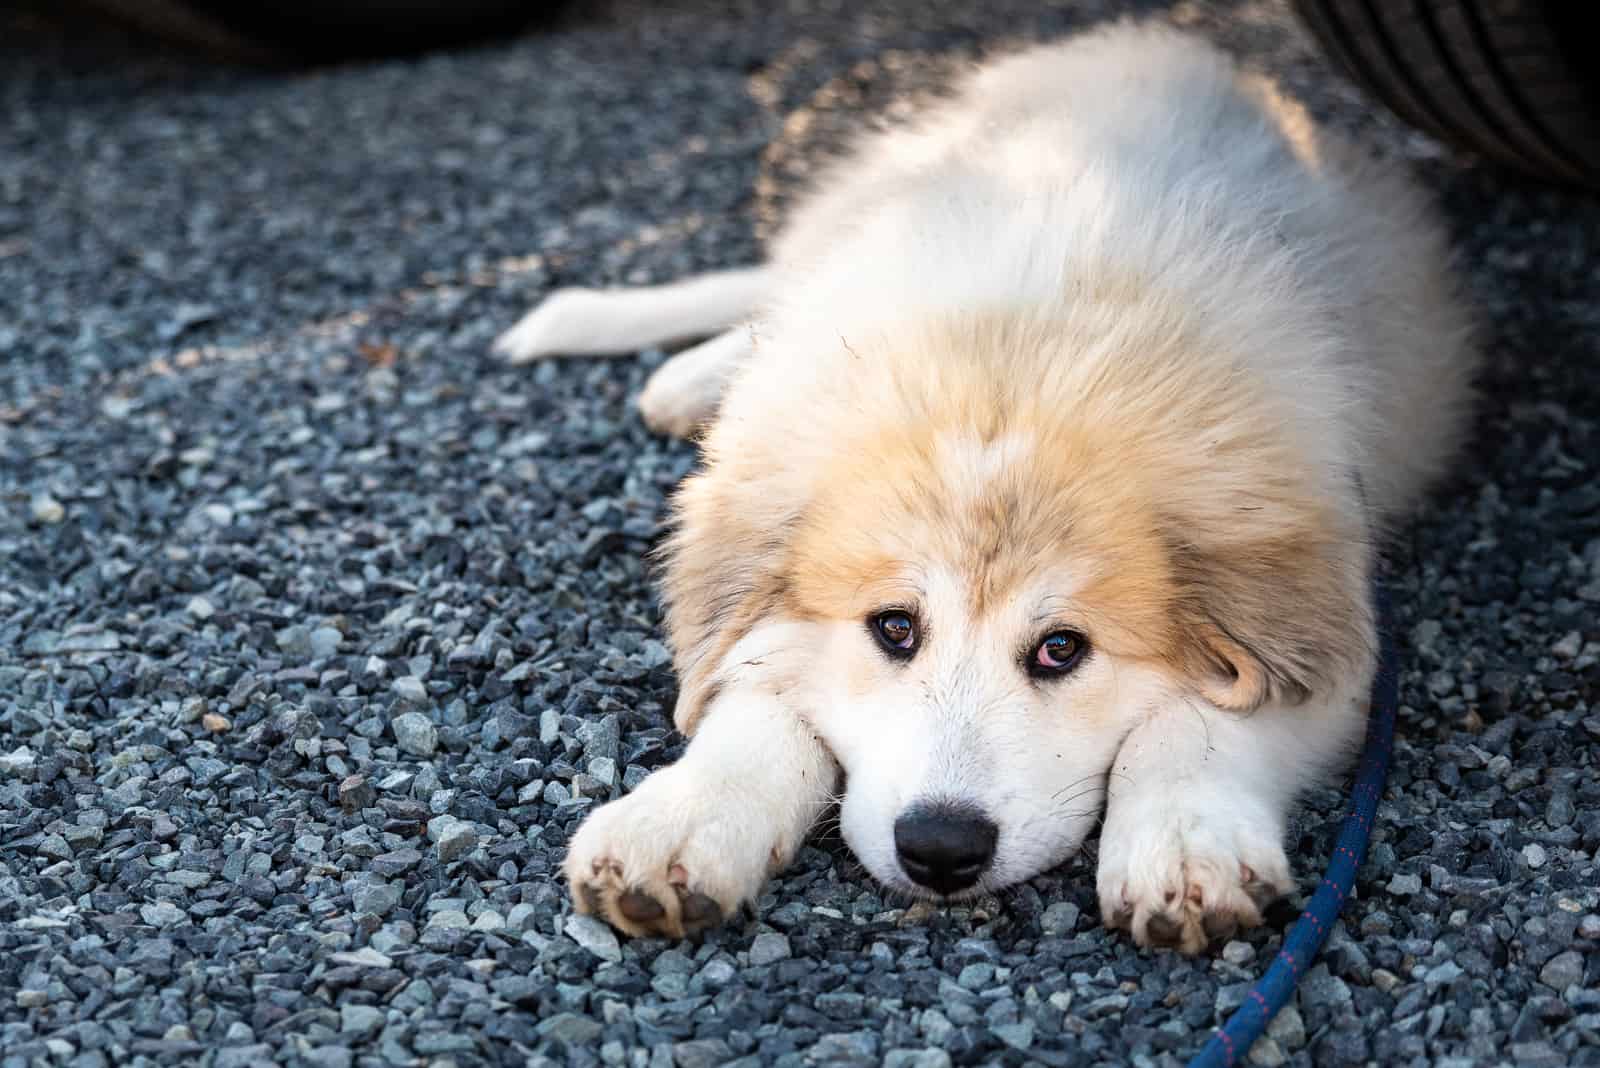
<point x="896" y="632"/>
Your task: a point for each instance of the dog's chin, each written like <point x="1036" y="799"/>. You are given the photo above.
<point x="903" y="891"/>
<point x="896" y="886"/>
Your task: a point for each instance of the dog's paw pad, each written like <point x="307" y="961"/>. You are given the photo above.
<point x="660" y="907"/>
<point x="636" y="906"/>
<point x="699" y="912"/>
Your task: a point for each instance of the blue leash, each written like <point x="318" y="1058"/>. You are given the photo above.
<point x="1232" y="1041"/>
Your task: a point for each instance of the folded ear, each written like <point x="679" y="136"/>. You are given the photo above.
<point x="723" y="573"/>
<point x="1274" y="620"/>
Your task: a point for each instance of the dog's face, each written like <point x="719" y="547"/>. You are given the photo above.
<point x="975" y="743"/>
<point x="988" y="626"/>
<point x="973" y="589"/>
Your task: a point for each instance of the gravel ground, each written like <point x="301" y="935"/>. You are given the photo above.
<point x="319" y="630"/>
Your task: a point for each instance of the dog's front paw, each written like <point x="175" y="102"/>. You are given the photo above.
<point x="1181" y="870"/>
<point x="670" y="859"/>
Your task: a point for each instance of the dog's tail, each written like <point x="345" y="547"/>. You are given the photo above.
<point x="616" y="322"/>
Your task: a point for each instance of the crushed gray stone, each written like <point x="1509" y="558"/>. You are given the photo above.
<point x="320" y="630"/>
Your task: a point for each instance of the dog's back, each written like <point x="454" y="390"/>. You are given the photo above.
<point x="1133" y="155"/>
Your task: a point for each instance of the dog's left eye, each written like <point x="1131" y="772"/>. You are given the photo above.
<point x="1058" y="653"/>
<point x="896" y="632"/>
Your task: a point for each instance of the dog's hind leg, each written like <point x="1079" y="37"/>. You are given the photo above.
<point x="616" y="322"/>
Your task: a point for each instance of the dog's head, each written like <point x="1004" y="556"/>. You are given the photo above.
<point x="973" y="561"/>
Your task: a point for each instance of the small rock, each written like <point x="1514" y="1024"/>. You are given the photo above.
<point x="324" y="642"/>
<point x="701" y="1053"/>
<point x="595" y="936"/>
<point x="601" y="737"/>
<point x="360" y="1019"/>
<point x="453" y="837"/>
<point x="604" y="771"/>
<point x="215" y="723"/>
<point x="18" y="762"/>
<point x="416" y="734"/>
<point x="1267" y="1053"/>
<point x="1562" y="970"/>
<point x="1018" y="1035"/>
<point x="916" y="1058"/>
<point x="55" y="847"/>
<point x="410" y="689"/>
<point x="376" y="899"/>
<point x="976" y="976"/>
<point x="207" y="770"/>
<point x="162" y="914"/>
<point x="396" y="863"/>
<point x="1535" y="855"/>
<point x="1384" y="979"/>
<point x="1288" y="1028"/>
<point x="1442" y="975"/>
<point x="200" y="608"/>
<point x="1405" y="885"/>
<point x="769" y="947"/>
<point x="46" y="509"/>
<point x="1060" y="918"/>
<point x="570" y="1028"/>
<point x="356" y="792"/>
<point x="1537" y="1055"/>
<point x="328" y="1057"/>
<point x="1319" y="989"/>
<point x="365" y="957"/>
<point x="1238" y="953"/>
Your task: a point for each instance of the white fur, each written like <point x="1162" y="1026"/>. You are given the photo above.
<point x="722" y="819"/>
<point x="1105" y="195"/>
<point x="961" y="722"/>
<point x="1196" y="805"/>
<point x="589" y="322"/>
<point x="684" y="392"/>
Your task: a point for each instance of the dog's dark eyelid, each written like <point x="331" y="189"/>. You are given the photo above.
<point x="1080" y="650"/>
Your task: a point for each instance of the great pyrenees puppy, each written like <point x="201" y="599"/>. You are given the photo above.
<point x="1045" y="464"/>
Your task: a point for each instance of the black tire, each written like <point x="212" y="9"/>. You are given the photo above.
<point x="1500" y="78"/>
<point x="289" y="31"/>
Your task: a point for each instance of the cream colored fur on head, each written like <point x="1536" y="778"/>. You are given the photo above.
<point x="1113" y="345"/>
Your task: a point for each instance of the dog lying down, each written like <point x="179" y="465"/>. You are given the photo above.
<point x="1044" y="465"/>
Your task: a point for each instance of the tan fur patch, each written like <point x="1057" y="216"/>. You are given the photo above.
<point x="1195" y="534"/>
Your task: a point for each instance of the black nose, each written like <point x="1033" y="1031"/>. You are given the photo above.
<point x="944" y="847"/>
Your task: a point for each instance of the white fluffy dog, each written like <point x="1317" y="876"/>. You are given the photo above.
<point x="1044" y="466"/>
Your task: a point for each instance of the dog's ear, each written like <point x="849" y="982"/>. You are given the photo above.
<point x="722" y="573"/>
<point x="1273" y="620"/>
